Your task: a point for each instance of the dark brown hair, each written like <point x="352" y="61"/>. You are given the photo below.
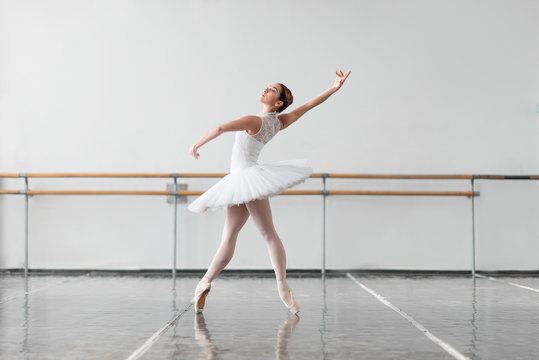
<point x="286" y="97"/>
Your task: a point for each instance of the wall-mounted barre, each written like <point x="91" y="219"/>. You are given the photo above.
<point x="316" y="175"/>
<point x="218" y="175"/>
<point x="199" y="192"/>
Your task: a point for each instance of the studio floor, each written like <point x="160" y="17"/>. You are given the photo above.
<point x="345" y="316"/>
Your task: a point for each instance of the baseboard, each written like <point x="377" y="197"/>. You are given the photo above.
<point x="264" y="272"/>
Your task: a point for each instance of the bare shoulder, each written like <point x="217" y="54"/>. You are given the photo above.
<point x="289" y="118"/>
<point x="284" y="119"/>
<point x="250" y="117"/>
<point x="253" y="123"/>
<point x="281" y="117"/>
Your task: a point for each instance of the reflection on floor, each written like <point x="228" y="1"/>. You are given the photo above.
<point x="121" y="317"/>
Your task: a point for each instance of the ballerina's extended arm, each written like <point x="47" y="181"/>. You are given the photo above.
<point x="288" y="118"/>
<point x="249" y="123"/>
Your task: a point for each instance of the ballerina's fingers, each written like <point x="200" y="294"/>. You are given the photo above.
<point x="194" y="152"/>
<point x="343" y="78"/>
<point x="342" y="74"/>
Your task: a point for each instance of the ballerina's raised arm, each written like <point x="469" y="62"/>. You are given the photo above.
<point x="289" y="118"/>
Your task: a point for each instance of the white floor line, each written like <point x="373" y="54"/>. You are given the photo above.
<point x="141" y="350"/>
<point x="508" y="282"/>
<point x="451" y="350"/>
<point x="6" y="299"/>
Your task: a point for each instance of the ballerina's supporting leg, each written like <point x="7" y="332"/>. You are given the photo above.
<point x="235" y="219"/>
<point x="260" y="210"/>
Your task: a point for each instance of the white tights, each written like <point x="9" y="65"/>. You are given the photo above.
<point x="236" y="217"/>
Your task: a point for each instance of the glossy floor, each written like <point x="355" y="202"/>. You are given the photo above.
<point x="351" y="316"/>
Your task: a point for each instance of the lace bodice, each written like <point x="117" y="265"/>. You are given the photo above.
<point x="247" y="147"/>
<point x="270" y="126"/>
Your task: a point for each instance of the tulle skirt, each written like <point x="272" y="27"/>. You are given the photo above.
<point x="251" y="183"/>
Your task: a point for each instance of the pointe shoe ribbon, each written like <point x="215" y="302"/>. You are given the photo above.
<point x="201" y="291"/>
<point x="284" y="292"/>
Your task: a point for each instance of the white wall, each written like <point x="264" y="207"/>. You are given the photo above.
<point x="441" y="87"/>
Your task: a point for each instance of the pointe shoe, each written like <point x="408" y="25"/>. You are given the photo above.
<point x="284" y="290"/>
<point x="201" y="291"/>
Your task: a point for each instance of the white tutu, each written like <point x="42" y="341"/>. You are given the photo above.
<point x="251" y="183"/>
<point x="247" y="180"/>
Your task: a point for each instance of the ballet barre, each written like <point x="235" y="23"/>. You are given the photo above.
<point x="200" y="192"/>
<point x="176" y="193"/>
<point x="315" y="175"/>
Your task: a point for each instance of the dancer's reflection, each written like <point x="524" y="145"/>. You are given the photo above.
<point x="283" y="336"/>
<point x="204" y="339"/>
<point x="212" y="352"/>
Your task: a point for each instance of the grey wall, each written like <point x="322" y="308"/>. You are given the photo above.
<point x="441" y="87"/>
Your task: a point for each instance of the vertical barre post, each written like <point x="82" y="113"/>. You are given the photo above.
<point x="473" y="229"/>
<point x="324" y="195"/>
<point x="25" y="226"/>
<point x="175" y="191"/>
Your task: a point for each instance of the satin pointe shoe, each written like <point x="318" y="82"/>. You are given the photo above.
<point x="201" y="291"/>
<point x="287" y="297"/>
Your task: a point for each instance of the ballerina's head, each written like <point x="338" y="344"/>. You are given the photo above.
<point x="276" y="97"/>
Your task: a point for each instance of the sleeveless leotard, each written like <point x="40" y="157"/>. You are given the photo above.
<point x="248" y="180"/>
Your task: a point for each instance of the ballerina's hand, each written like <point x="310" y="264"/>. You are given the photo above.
<point x="340" y="79"/>
<point x="193" y="151"/>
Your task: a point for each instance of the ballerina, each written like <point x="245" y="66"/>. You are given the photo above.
<point x="245" y="190"/>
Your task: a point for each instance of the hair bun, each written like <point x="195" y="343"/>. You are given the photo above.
<point x="286" y="97"/>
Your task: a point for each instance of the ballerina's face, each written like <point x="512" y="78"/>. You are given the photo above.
<point x="270" y="95"/>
